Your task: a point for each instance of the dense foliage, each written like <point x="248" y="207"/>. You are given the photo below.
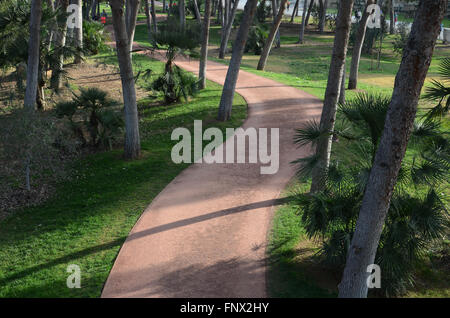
<point x="418" y="216"/>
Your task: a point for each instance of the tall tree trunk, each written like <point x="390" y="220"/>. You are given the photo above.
<point x="392" y="17"/>
<point x="226" y="101"/>
<point x="204" y="49"/>
<point x="93" y="9"/>
<point x="149" y="23"/>
<point x="60" y="42"/>
<point x="227" y="32"/>
<point x="392" y="146"/>
<point x="132" y="11"/>
<point x="197" y="12"/>
<point x="182" y="11"/>
<point x="295" y="10"/>
<point x="153" y="12"/>
<point x="79" y="33"/>
<point x="303" y="25"/>
<point x="274" y="17"/>
<point x="164" y="6"/>
<point x="357" y="46"/>
<point x="268" y="45"/>
<point x="308" y="14"/>
<point x="33" y="54"/>
<point x="132" y="146"/>
<point x="323" y="148"/>
<point x="323" y="15"/>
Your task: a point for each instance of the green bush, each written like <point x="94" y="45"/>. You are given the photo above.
<point x="417" y="218"/>
<point x="94" y="39"/>
<point x="93" y="111"/>
<point x="257" y="37"/>
<point x="175" y="85"/>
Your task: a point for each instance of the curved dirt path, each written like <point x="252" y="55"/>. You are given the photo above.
<point x="205" y="234"/>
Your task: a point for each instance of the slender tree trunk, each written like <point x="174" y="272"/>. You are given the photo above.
<point x="323" y="15"/>
<point x="268" y="45"/>
<point x="197" y="12"/>
<point x="79" y="33"/>
<point x="226" y="101"/>
<point x="308" y="14"/>
<point x="274" y="17"/>
<point x="153" y="12"/>
<point x="149" y="22"/>
<point x="295" y="10"/>
<point x="132" y="147"/>
<point x="227" y="32"/>
<point x="93" y="9"/>
<point x="182" y="10"/>
<point x="398" y="125"/>
<point x="33" y="54"/>
<point x="392" y="17"/>
<point x="164" y="6"/>
<point x="204" y="49"/>
<point x="60" y="42"/>
<point x="132" y="10"/>
<point x="357" y="47"/>
<point x="323" y="148"/>
<point x="303" y="25"/>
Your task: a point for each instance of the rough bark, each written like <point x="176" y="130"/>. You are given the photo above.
<point x="227" y="31"/>
<point x="132" y="146"/>
<point x="204" y="49"/>
<point x="226" y="101"/>
<point x="79" y="33"/>
<point x="269" y="42"/>
<point x="357" y="47"/>
<point x="33" y="54"/>
<point x="303" y="25"/>
<point x="342" y="90"/>
<point x="391" y="149"/>
<point x="60" y="42"/>
<point x="323" y="148"/>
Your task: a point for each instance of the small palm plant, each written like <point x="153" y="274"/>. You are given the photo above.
<point x="417" y="217"/>
<point x="440" y="91"/>
<point x="95" y="111"/>
<point x="174" y="83"/>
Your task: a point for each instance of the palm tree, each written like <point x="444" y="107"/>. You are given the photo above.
<point x="392" y="147"/>
<point x="416" y="221"/>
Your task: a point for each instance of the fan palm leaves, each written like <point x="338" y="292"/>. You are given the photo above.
<point x="440" y="91"/>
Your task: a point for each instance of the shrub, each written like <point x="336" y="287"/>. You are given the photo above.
<point x="176" y="84"/>
<point x="93" y="37"/>
<point x="417" y="217"/>
<point x="401" y="38"/>
<point x="257" y="37"/>
<point x="95" y="112"/>
<point x="34" y="150"/>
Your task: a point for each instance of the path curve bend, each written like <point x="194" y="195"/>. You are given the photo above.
<point x="205" y="234"/>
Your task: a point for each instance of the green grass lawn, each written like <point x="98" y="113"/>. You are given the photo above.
<point x="89" y="217"/>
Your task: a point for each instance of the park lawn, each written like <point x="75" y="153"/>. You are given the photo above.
<point x="87" y="220"/>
